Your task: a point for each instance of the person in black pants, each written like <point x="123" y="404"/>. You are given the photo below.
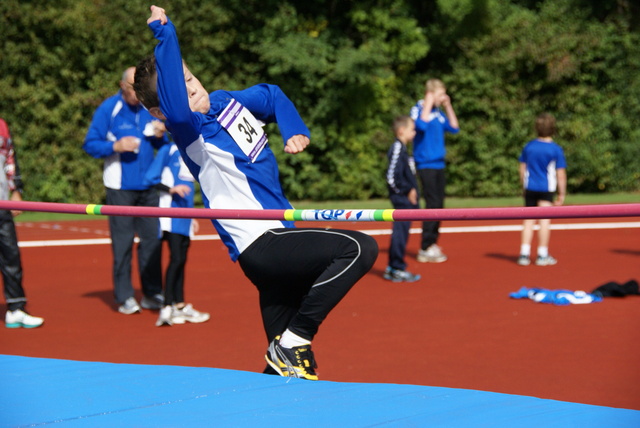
<point x="403" y="193"/>
<point x="429" y="151"/>
<point x="126" y="136"/>
<point x="10" y="262"/>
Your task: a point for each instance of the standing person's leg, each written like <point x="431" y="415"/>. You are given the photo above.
<point x="11" y="267"/>
<point x="429" y="189"/>
<point x="181" y="312"/>
<point x="398" y="244"/>
<point x="149" y="251"/>
<point x="526" y="237"/>
<point x="178" y="248"/>
<point x="544" y="236"/>
<point x="440" y="180"/>
<point x="399" y="235"/>
<point x="122" y="234"/>
<point x="433" y="182"/>
<point x="397" y="268"/>
<point x="10" y="263"/>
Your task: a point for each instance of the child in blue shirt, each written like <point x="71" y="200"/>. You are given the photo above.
<point x="170" y="176"/>
<point x="429" y="151"/>
<point x="542" y="174"/>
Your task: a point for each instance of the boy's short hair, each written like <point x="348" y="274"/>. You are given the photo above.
<point x="433" y="84"/>
<point x="545" y="125"/>
<point x="401" y="122"/>
<point x="145" y="83"/>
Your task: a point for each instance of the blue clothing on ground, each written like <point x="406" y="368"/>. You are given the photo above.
<point x="542" y="160"/>
<point x="428" y="144"/>
<point x="556" y="297"/>
<point x="113" y="120"/>
<point x="169" y="169"/>
<point x="229" y="178"/>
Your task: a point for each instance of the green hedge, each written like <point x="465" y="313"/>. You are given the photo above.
<point x="350" y="67"/>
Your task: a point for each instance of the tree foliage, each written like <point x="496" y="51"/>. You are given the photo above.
<point x="350" y="67"/>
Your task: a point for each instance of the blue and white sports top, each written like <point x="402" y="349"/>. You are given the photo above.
<point x="169" y="169"/>
<point x="542" y="160"/>
<point x="229" y="176"/>
<point x="111" y="121"/>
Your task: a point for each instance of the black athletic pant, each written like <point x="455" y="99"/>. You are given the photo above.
<point x="174" y="277"/>
<point x="433" y="182"/>
<point x="123" y="229"/>
<point x="399" y="234"/>
<point x="302" y="274"/>
<point x="10" y="263"/>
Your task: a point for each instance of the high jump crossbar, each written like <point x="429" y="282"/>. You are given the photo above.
<point x="508" y="213"/>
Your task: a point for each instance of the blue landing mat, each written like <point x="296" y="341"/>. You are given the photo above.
<point x="36" y="392"/>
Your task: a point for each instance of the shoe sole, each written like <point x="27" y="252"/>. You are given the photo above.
<point x="274" y="365"/>
<point x="431" y="259"/>
<point x="20" y="325"/>
<point x="184" y="320"/>
<point x="396" y="281"/>
<point x="126" y="312"/>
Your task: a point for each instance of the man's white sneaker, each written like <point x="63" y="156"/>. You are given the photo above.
<point x="433" y="254"/>
<point x="19" y="318"/>
<point x="187" y="313"/>
<point x="130" y="306"/>
<point x="165" y="317"/>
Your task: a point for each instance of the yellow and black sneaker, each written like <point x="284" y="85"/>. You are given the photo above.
<point x="292" y="362"/>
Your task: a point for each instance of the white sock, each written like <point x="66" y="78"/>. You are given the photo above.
<point x="525" y="249"/>
<point x="543" y="251"/>
<point x="290" y="340"/>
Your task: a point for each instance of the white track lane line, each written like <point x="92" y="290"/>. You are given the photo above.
<point x="372" y="232"/>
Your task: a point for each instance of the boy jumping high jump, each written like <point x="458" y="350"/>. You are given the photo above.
<point x="301" y="274"/>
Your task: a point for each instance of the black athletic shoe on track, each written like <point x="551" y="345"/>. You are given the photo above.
<point x="294" y="362"/>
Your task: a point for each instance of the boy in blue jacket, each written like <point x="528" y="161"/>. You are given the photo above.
<point x="403" y="192"/>
<point x="429" y="152"/>
<point x="300" y="274"/>
<point x="170" y="176"/>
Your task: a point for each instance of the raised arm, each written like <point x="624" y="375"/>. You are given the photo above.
<point x="171" y="86"/>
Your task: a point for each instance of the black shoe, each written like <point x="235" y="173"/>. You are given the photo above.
<point x="294" y="362"/>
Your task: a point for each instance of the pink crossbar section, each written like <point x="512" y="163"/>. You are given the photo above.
<point x="572" y="211"/>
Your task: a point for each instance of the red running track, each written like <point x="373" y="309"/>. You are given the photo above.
<point x="456" y="327"/>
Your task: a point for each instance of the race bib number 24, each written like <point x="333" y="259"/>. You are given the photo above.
<point x="244" y="128"/>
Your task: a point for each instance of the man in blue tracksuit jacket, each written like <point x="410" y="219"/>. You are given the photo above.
<point x="125" y="135"/>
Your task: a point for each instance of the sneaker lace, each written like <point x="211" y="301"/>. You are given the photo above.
<point x="306" y="359"/>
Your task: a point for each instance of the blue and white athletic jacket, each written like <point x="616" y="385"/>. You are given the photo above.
<point x="428" y="144"/>
<point x="168" y="170"/>
<point x="400" y="176"/>
<point x="113" y="120"/>
<point x="542" y="160"/>
<point x="229" y="177"/>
